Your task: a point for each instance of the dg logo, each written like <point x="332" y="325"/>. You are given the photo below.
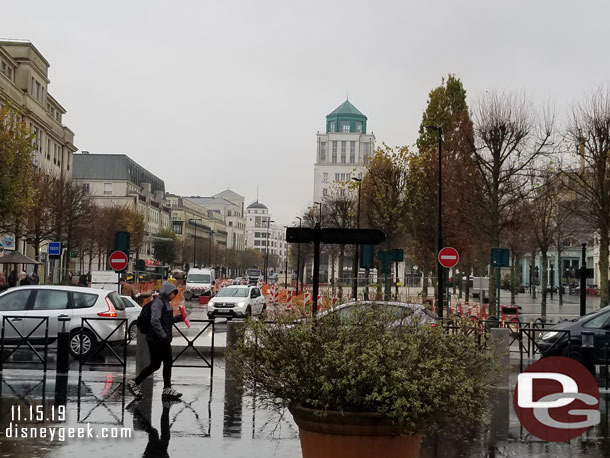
<point x="557" y="399"/>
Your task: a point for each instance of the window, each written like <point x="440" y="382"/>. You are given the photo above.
<point x="14" y="302"/>
<point x="345" y="127"/>
<point x="51" y="300"/>
<point x="334" y="146"/>
<point x="334" y="158"/>
<point x="83" y="300"/>
<point x="352" y="147"/>
<point x="359" y="127"/>
<point x="87" y="187"/>
<point x="257" y="243"/>
<point x="324" y="192"/>
<point x="325" y="179"/>
<point x="323" y="152"/>
<point x="333" y="126"/>
<point x="107" y="188"/>
<point x="337" y="176"/>
<point x="342" y="192"/>
<point x="597" y="322"/>
<point x="352" y="158"/>
<point x="343" y="146"/>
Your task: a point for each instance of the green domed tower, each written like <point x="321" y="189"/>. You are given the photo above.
<point x="343" y="152"/>
<point x="345" y="119"/>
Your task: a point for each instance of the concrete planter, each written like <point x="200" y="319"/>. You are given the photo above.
<point x="353" y="435"/>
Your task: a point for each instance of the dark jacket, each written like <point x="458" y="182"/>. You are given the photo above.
<point x="162" y="315"/>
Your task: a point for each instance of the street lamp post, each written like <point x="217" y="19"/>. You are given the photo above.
<point x="267" y="248"/>
<point x="440" y="269"/>
<point x="356" y="264"/>
<point x="210" y="249"/>
<point x="195" y="240"/>
<point x="299" y="257"/>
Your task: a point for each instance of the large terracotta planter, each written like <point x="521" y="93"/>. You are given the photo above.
<point x="352" y="435"/>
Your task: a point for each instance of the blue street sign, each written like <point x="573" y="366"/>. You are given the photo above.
<point x="54" y="248"/>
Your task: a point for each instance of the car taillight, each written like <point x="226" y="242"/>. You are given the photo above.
<point x="111" y="312"/>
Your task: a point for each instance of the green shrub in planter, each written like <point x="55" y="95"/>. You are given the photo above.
<point x="419" y="376"/>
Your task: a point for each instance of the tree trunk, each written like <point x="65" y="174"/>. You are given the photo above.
<point x="533" y="275"/>
<point x="341" y="260"/>
<point x="560" y="270"/>
<point x="513" y="281"/>
<point x="544" y="281"/>
<point x="424" y="289"/>
<point x="603" y="268"/>
<point x="493" y="286"/>
<point x="332" y="274"/>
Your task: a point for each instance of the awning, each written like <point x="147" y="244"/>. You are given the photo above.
<point x="16" y="258"/>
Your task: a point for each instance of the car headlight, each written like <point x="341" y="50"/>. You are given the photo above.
<point x="548" y="335"/>
<point x="241" y="304"/>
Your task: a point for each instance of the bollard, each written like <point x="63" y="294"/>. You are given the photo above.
<point x="63" y="362"/>
<point x="587" y="349"/>
<point x="63" y="346"/>
<point x="501" y="340"/>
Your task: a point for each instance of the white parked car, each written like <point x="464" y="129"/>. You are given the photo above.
<point x="237" y="301"/>
<point x="133" y="309"/>
<point x="25" y="303"/>
<point x="407" y="313"/>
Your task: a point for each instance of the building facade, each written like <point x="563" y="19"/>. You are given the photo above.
<point x="117" y="180"/>
<point x="343" y="151"/>
<point x="262" y="234"/>
<point x="229" y="206"/>
<point x="24" y="85"/>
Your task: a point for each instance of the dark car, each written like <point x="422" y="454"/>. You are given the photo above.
<point x="554" y="341"/>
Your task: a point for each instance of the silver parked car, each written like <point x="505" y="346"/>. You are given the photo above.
<point x="26" y="303"/>
<point x="237" y="301"/>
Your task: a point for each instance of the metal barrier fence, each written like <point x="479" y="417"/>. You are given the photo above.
<point x="86" y="326"/>
<point x="24" y="339"/>
<point x="190" y="344"/>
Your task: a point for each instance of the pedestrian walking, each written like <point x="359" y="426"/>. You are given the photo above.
<point x="35" y="279"/>
<point x="24" y="279"/>
<point x="159" y="339"/>
<point x="127" y="289"/>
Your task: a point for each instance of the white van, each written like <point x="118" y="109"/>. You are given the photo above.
<point x="199" y="282"/>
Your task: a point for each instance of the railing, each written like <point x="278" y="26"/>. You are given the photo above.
<point x="24" y="339"/>
<point x="208" y="364"/>
<point x="83" y="359"/>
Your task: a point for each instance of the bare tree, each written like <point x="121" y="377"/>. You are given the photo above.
<point x="508" y="140"/>
<point x="589" y="129"/>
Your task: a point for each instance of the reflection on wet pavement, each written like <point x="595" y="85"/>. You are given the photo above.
<point x="217" y="419"/>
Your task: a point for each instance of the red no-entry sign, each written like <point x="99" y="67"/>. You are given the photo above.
<point x="448" y="257"/>
<point x="118" y="261"/>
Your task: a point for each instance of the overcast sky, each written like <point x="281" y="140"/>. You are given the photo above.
<point x="210" y="95"/>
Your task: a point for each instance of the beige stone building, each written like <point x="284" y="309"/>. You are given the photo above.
<point x="24" y="85"/>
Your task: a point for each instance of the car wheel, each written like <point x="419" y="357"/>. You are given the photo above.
<point x="88" y="343"/>
<point x="572" y="352"/>
<point x="248" y="312"/>
<point x="133" y="332"/>
<point x="263" y="314"/>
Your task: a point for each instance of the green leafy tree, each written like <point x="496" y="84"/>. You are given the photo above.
<point x="166" y="247"/>
<point x="16" y="190"/>
<point x="447" y="109"/>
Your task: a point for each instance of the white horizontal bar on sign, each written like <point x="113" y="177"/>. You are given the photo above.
<point x="448" y="256"/>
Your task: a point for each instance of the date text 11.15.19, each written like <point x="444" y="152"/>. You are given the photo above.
<point x="38" y="413"/>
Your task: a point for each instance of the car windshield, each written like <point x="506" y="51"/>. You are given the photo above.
<point x="253" y="273"/>
<point x="233" y="292"/>
<point x="198" y="278"/>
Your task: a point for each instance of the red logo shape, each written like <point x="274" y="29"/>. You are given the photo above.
<point x="557" y="399"/>
<point x="448" y="257"/>
<point x="118" y="261"/>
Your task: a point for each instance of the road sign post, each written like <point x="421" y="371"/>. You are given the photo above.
<point x="500" y="257"/>
<point x="448" y="257"/>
